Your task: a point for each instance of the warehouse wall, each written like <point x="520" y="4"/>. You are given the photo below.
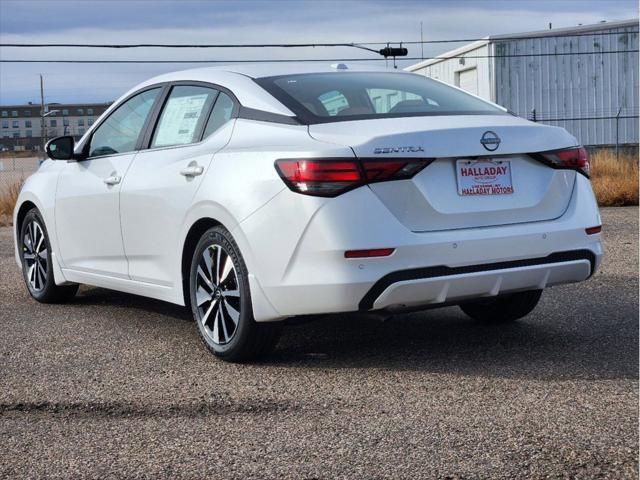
<point x="460" y="72"/>
<point x="578" y="92"/>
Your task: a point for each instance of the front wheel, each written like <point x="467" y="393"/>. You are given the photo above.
<point x="503" y="309"/>
<point x="37" y="263"/>
<point x="221" y="301"/>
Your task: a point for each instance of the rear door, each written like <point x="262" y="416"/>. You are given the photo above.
<point x="194" y="123"/>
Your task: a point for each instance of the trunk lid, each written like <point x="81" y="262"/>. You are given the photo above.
<point x="433" y="200"/>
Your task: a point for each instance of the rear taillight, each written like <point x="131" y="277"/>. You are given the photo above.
<point x="331" y="177"/>
<point x="572" y="158"/>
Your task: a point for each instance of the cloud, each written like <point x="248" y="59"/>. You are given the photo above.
<point x="246" y="22"/>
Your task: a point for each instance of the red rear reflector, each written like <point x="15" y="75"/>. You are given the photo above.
<point x="375" y="252"/>
<point x="593" y="230"/>
<point x="573" y="158"/>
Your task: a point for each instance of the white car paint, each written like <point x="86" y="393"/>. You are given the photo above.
<point x="130" y="236"/>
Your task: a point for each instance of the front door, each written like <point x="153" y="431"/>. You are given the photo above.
<point x="87" y="209"/>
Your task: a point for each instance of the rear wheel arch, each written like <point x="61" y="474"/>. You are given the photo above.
<point x="190" y="242"/>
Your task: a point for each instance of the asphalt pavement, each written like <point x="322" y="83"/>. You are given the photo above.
<point x="118" y="386"/>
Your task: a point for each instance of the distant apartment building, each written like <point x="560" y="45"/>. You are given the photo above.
<point x="20" y="125"/>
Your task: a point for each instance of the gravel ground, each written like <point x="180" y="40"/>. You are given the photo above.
<point x="118" y="386"/>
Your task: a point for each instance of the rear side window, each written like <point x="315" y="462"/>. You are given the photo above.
<point x="183" y="115"/>
<point x="221" y="114"/>
<point x="119" y="133"/>
<point x="343" y="96"/>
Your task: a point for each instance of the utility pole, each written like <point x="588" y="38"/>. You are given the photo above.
<point x="42" y="112"/>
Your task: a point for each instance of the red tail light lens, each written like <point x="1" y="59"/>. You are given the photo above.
<point x="393" y="169"/>
<point x="571" y="158"/>
<point x="322" y="178"/>
<point x="331" y="177"/>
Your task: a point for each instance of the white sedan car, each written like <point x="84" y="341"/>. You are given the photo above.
<point x="256" y="193"/>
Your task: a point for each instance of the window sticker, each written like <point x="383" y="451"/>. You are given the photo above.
<point x="179" y="120"/>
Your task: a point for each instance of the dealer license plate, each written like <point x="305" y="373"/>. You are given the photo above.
<point x="484" y="177"/>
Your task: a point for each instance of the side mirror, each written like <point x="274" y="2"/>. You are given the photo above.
<point x="60" y="148"/>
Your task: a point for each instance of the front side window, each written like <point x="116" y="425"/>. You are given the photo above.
<point x="221" y="114"/>
<point x="342" y="96"/>
<point x="119" y="133"/>
<point x="183" y="115"/>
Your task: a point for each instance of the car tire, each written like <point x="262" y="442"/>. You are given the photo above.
<point x="221" y="301"/>
<point x="503" y="309"/>
<point x="37" y="263"/>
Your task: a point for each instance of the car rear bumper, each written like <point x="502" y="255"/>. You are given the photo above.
<point x="425" y="286"/>
<point x="312" y="275"/>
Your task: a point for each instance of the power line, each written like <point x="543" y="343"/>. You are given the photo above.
<point x="515" y="55"/>
<point x="360" y="45"/>
<point x="177" y="45"/>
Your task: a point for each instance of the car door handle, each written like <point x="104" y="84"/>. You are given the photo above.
<point x="112" y="180"/>
<point x="192" y="171"/>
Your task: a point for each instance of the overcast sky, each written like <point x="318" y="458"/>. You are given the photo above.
<point x="303" y="21"/>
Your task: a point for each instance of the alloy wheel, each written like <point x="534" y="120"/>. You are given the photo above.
<point x="35" y="255"/>
<point x="217" y="294"/>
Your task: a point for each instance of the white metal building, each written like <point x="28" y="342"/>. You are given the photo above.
<point x="583" y="92"/>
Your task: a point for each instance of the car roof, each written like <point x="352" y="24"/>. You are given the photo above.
<point x="271" y="69"/>
<point x="238" y="78"/>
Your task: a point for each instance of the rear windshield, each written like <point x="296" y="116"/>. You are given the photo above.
<point x="342" y="96"/>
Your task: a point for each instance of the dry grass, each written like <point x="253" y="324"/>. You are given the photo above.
<point x="615" y="181"/>
<point x="19" y="154"/>
<point x="8" y="197"/>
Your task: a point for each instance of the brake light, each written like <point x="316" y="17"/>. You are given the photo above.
<point x="322" y="178"/>
<point x="331" y="177"/>
<point x="571" y="158"/>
